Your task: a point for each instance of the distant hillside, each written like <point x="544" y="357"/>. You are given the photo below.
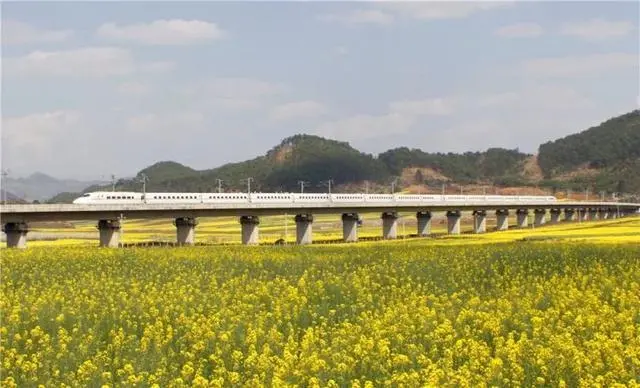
<point x="605" y="158"/>
<point x="495" y="164"/>
<point x="298" y="158"/>
<point x="614" y="141"/>
<point x="9" y="197"/>
<point x="39" y="186"/>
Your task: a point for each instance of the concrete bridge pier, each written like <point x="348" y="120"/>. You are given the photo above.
<point x="16" y="234"/>
<point x="502" y="219"/>
<point x="593" y="214"/>
<point x="479" y="221"/>
<point x="453" y="221"/>
<point x="583" y="215"/>
<point x="250" y="232"/>
<point x="350" y="227"/>
<point x="522" y="218"/>
<point x="185" y="230"/>
<point x="555" y="216"/>
<point x="569" y="214"/>
<point x="109" y="233"/>
<point x="539" y="217"/>
<point x="424" y="223"/>
<point x="602" y="214"/>
<point x="389" y="225"/>
<point x="304" y="229"/>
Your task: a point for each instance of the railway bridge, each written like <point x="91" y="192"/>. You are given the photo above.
<point x="16" y="218"/>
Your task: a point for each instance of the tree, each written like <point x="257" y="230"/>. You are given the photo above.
<point x="418" y="178"/>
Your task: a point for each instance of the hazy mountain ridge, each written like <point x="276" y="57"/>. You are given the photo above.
<point x="40" y="187"/>
<point x="607" y="159"/>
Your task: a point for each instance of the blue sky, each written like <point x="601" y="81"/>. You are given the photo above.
<point x="90" y="89"/>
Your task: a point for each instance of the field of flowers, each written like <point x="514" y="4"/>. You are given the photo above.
<point x="515" y="314"/>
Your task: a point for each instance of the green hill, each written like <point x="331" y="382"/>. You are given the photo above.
<point x="614" y="141"/>
<point x="602" y="158"/>
<point x="605" y="157"/>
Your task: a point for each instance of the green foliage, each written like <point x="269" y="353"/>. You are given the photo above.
<point x="616" y="140"/>
<point x="467" y="167"/>
<point x="612" y="147"/>
<point x="65" y="197"/>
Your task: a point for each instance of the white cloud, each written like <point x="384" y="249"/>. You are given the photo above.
<point x="539" y="97"/>
<point x="133" y="88"/>
<point x="165" y="125"/>
<point x="37" y="128"/>
<point x="386" y="12"/>
<point x="434" y="106"/>
<point x="239" y="88"/>
<point x="28" y="140"/>
<point x="340" y="50"/>
<point x="163" y="32"/>
<point x="430" y="10"/>
<point x="81" y="62"/>
<point x="597" y="29"/>
<point x="575" y="66"/>
<point x="359" y="16"/>
<point x="366" y="126"/>
<point x="519" y="30"/>
<point x="232" y="95"/>
<point x="15" y="32"/>
<point x="298" y="109"/>
<point x="401" y="117"/>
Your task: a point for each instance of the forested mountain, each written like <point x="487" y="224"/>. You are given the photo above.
<point x="603" y="158"/>
<point x="614" y="141"/>
<point x="493" y="164"/>
<point x="298" y="158"/>
<point x="39" y="186"/>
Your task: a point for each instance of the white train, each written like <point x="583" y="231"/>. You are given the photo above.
<point x="132" y="198"/>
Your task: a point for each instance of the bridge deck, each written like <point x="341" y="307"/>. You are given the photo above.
<point x="69" y="212"/>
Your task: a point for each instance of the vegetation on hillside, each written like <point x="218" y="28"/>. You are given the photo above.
<point x="493" y="164"/>
<point x="616" y="140"/>
<point x="605" y="158"/>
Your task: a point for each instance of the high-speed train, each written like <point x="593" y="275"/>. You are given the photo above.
<point x="132" y="198"/>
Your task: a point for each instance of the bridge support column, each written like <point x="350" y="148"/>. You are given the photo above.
<point x="583" y="215"/>
<point x="350" y="227"/>
<point x="109" y="233"/>
<point x="502" y="219"/>
<point x="185" y="230"/>
<point x="593" y="214"/>
<point x="16" y="234"/>
<point x="479" y="221"/>
<point x="555" y="216"/>
<point x="522" y="218"/>
<point x="569" y="215"/>
<point x="250" y="232"/>
<point x="602" y="214"/>
<point x="304" y="229"/>
<point x="453" y="221"/>
<point x="424" y="223"/>
<point x="539" y="217"/>
<point x="389" y="225"/>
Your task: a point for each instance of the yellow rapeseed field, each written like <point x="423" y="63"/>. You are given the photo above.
<point x="377" y="314"/>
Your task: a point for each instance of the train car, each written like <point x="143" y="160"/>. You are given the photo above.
<point x="225" y="198"/>
<point x="106" y="198"/>
<point x="310" y="197"/>
<point x="181" y="198"/>
<point x="348" y="197"/>
<point x="130" y="198"/>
